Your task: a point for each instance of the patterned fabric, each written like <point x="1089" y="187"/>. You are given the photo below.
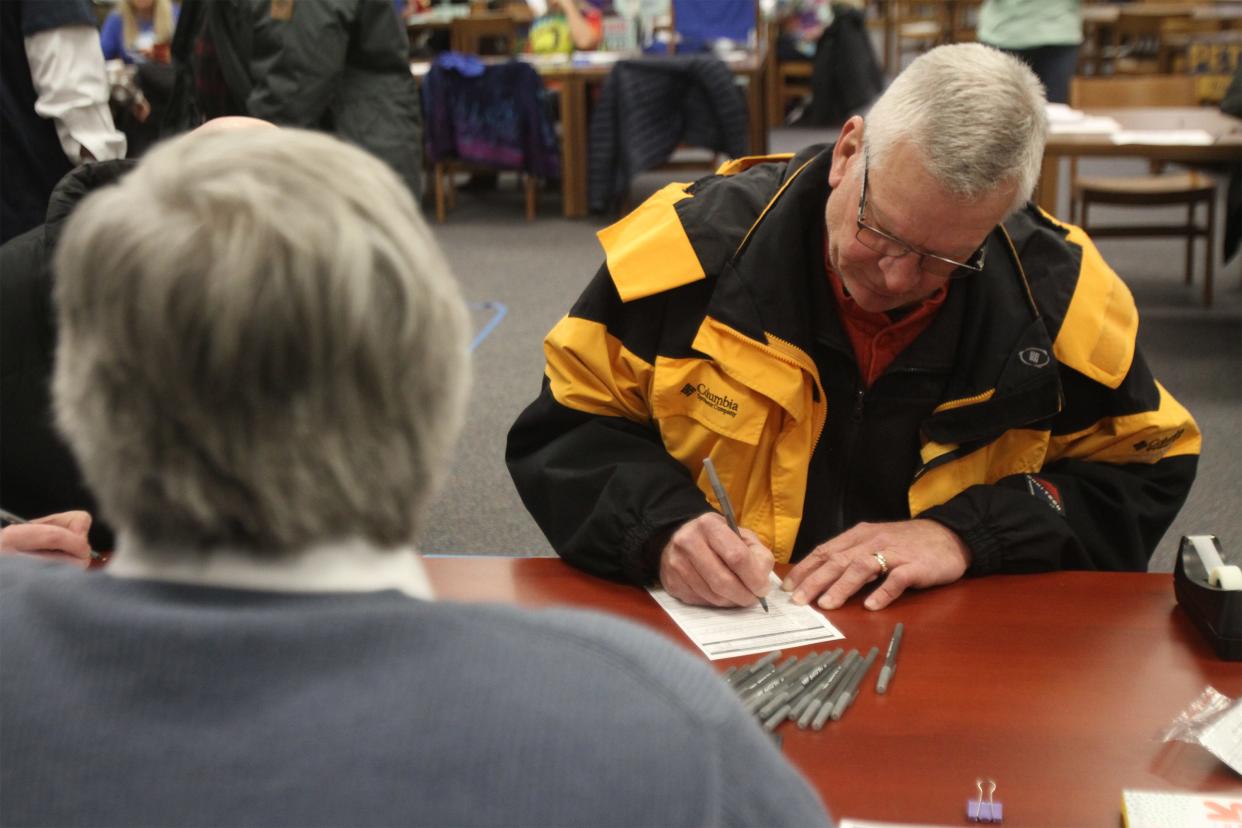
<point x="498" y="117"/>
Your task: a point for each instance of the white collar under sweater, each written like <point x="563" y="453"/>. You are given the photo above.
<point x="352" y="565"/>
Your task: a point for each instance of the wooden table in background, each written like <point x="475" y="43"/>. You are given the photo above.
<point x="1226" y="130"/>
<point x="1054" y="685"/>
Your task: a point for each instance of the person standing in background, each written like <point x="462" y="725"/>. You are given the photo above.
<point x="340" y="66"/>
<point x="1045" y="34"/>
<point x="53" y="103"/>
<point x="138" y="31"/>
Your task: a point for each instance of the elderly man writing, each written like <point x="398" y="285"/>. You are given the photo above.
<point x="903" y="372"/>
<point x="261" y="366"/>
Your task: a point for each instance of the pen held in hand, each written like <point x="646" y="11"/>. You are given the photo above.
<point x="8" y="518"/>
<point x="725" y="506"/>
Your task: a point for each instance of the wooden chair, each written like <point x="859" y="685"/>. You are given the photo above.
<point x="502" y="114"/>
<point x="445" y="187"/>
<point x="484" y="33"/>
<point x="1189" y="188"/>
<point x="788" y="81"/>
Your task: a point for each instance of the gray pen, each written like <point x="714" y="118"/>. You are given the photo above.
<point x="725" y="506"/>
<point x="829" y="700"/>
<point x="890" y="659"/>
<point x="747" y="670"/>
<point x="851" y="692"/>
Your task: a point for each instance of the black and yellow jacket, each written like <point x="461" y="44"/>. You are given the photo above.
<point x="1044" y="441"/>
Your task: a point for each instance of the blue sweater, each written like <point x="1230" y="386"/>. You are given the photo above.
<point x="131" y="702"/>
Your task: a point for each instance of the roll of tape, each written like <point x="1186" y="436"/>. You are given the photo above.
<point x="1228" y="578"/>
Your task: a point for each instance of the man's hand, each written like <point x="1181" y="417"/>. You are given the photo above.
<point x="59" y="537"/>
<point x="918" y="553"/>
<point x="705" y="562"/>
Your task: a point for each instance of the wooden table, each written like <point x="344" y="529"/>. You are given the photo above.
<point x="575" y="80"/>
<point x="1054" y="685"/>
<point x="1226" y="130"/>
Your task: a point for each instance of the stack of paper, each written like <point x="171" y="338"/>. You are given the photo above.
<point x="1064" y="120"/>
<point x="1162" y="809"/>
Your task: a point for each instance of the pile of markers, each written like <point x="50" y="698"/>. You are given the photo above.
<point x="810" y="690"/>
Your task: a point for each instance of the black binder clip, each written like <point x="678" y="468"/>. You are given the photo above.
<point x="985" y="808"/>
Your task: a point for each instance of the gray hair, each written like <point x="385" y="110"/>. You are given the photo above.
<point x="261" y="346"/>
<point x="975" y="114"/>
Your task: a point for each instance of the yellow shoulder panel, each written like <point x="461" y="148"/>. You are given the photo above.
<point x="591" y="371"/>
<point x="648" y="251"/>
<point x="1098" y="335"/>
<point x="737" y="165"/>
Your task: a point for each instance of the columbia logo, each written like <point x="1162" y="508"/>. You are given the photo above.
<point x="720" y="402"/>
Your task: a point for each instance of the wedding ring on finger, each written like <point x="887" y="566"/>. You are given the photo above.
<point x="882" y="561"/>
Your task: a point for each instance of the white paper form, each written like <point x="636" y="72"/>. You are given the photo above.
<point x="1197" y="137"/>
<point x="728" y="633"/>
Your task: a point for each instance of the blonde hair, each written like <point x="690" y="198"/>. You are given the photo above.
<point x="161" y="21"/>
<point x="261" y="346"/>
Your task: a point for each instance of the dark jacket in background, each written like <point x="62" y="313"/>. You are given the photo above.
<point x="846" y="76"/>
<point x="31" y="158"/>
<point x="495" y="115"/>
<point x="38" y="475"/>
<point x="648" y="107"/>
<point x="341" y="66"/>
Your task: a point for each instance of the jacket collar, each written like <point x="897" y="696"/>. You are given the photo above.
<point x="1004" y="375"/>
<point x="70" y="190"/>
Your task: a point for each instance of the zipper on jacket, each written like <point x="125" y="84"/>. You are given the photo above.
<point x="848" y="448"/>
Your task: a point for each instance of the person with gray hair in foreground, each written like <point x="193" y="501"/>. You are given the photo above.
<point x="903" y="372"/>
<point x="261" y="367"/>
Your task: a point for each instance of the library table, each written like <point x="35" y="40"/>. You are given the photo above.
<point x="1055" y="685"/>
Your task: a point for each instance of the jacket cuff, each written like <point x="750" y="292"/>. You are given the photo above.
<point x="640" y="560"/>
<point x="986" y="549"/>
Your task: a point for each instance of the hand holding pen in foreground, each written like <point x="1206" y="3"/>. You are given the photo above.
<point x="60" y="537"/>
<point x="709" y="561"/>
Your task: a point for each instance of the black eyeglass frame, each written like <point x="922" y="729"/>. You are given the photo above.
<point x="959" y="270"/>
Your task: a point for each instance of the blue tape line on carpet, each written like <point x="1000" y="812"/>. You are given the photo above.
<point x="498" y="313"/>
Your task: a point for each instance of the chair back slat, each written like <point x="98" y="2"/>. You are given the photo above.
<point x="1131" y="91"/>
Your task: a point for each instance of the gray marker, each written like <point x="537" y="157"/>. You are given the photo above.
<point x="850" y="693"/>
<point x="828" y="700"/>
<point x="747" y="670"/>
<point x="890" y="659"/>
<point x="822" y="675"/>
<point x="781" y="687"/>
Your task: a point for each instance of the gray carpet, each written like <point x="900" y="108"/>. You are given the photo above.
<point x="537" y="269"/>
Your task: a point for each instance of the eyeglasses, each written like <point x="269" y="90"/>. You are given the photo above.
<point x="886" y="245"/>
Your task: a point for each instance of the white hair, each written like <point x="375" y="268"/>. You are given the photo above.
<point x="261" y="345"/>
<point x="975" y="114"/>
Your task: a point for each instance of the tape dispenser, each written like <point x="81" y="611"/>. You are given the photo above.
<point x="1210" y="591"/>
